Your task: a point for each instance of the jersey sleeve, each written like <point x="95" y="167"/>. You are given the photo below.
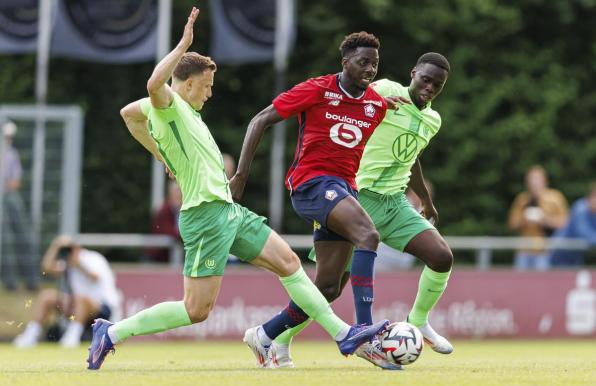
<point x="145" y="106"/>
<point x="297" y="99"/>
<point x="383" y="87"/>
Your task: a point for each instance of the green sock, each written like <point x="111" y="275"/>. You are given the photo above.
<point x="430" y="288"/>
<point x="160" y="317"/>
<point x="304" y="293"/>
<point x="286" y="336"/>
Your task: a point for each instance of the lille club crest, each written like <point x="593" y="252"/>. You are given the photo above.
<point x="331" y="195"/>
<point x="369" y="110"/>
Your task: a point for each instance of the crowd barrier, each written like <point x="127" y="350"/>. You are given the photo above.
<point x="482" y="245"/>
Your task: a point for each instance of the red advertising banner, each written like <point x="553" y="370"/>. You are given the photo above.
<point x="492" y="304"/>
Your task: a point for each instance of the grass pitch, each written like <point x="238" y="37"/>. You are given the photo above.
<point x="555" y="362"/>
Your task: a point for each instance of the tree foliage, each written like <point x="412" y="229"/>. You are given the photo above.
<point x="521" y="91"/>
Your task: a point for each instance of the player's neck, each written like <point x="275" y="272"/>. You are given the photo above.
<point x="349" y="88"/>
<point x="416" y="103"/>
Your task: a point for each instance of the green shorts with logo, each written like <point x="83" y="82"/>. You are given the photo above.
<point x="213" y="230"/>
<point x="394" y="217"/>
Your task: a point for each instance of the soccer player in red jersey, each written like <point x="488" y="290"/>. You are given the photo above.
<point x="337" y="114"/>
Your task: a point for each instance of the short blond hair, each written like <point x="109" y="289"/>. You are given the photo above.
<point x="193" y="63"/>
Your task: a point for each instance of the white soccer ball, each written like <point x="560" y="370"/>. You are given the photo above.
<point x="402" y="343"/>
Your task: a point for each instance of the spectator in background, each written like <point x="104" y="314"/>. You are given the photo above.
<point x="165" y="222"/>
<point x="87" y="291"/>
<point x="581" y="225"/>
<point x="18" y="258"/>
<point x="537" y="212"/>
<point x="389" y="259"/>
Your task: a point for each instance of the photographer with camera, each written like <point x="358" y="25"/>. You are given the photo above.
<point x="87" y="291"/>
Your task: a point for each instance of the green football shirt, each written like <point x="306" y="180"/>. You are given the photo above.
<point x="396" y="143"/>
<point x="187" y="147"/>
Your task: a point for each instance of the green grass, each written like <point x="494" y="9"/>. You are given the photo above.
<point x="199" y="363"/>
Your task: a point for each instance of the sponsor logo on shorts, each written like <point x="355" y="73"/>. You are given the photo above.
<point x="331" y="195"/>
<point x="210" y="263"/>
<point x="369" y="110"/>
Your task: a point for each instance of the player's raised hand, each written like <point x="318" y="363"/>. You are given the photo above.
<point x="393" y="102"/>
<point x="187" y="36"/>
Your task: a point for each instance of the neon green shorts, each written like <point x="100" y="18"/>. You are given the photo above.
<point x="394" y="217"/>
<point x="213" y="230"/>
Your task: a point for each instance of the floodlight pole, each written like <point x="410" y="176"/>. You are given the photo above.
<point x="164" y="21"/>
<point x="39" y="135"/>
<point x="284" y="12"/>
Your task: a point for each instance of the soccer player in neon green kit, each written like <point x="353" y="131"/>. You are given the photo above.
<point x="389" y="165"/>
<point x="168" y="124"/>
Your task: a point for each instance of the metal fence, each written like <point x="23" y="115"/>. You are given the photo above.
<point x="482" y="245"/>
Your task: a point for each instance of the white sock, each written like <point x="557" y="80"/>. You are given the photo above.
<point x="342" y="334"/>
<point x="112" y="334"/>
<point x="263" y="338"/>
<point x="283" y="350"/>
<point x="33" y="329"/>
<point x="74" y="330"/>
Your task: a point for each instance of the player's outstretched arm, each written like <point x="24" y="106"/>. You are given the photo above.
<point x="159" y="91"/>
<point x="257" y="126"/>
<point x="393" y="102"/>
<point x="419" y="187"/>
<point x="136" y="122"/>
<point x="49" y="262"/>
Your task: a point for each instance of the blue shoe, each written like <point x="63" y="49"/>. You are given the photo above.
<point x="359" y="335"/>
<point x="101" y="344"/>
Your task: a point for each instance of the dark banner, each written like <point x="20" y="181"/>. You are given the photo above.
<point x="244" y="31"/>
<point x="113" y="31"/>
<point x="496" y="304"/>
<point x="18" y="26"/>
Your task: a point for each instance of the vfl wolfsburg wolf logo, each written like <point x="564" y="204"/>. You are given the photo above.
<point x="210" y="263"/>
<point x="405" y="147"/>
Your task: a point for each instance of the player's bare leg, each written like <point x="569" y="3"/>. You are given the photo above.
<point x="332" y="258"/>
<point x="200" y="294"/>
<point x="47" y="302"/>
<point x="279" y="258"/>
<point x="83" y="309"/>
<point x="331" y="278"/>
<point x="351" y="221"/>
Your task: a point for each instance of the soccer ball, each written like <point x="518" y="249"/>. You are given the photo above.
<point x="402" y="343"/>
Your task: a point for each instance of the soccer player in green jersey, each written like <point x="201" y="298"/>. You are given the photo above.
<point x="168" y="124"/>
<point x="389" y="165"/>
